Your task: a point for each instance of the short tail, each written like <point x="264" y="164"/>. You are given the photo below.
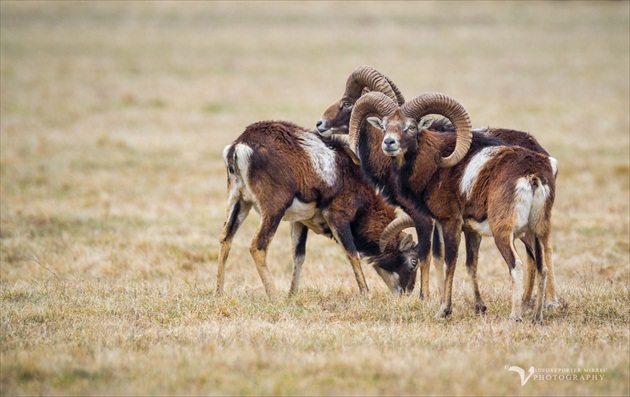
<point x="540" y="201"/>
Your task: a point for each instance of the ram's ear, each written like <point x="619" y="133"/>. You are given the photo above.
<point x="425" y="123"/>
<point x="406" y="243"/>
<point x="375" y="121"/>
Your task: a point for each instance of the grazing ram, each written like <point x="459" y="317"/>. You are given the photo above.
<point x="289" y="173"/>
<point x="376" y="166"/>
<point x="501" y="191"/>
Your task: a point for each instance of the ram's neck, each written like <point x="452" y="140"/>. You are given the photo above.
<point x="418" y="167"/>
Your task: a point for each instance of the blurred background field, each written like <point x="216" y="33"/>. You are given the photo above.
<point x="113" y="194"/>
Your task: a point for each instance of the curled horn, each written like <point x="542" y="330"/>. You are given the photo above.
<point x="399" y="96"/>
<point x="451" y="109"/>
<point x="366" y="76"/>
<point x="373" y="102"/>
<point x="393" y="229"/>
<point x="353" y="156"/>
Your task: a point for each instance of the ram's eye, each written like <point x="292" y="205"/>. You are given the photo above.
<point x="411" y="128"/>
<point x="346" y="105"/>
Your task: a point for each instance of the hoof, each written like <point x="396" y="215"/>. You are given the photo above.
<point x="516" y="318"/>
<point x="537" y="321"/>
<point x="443" y="313"/>
<point x="272" y="294"/>
<point x="552" y="304"/>
<point x="480" y="308"/>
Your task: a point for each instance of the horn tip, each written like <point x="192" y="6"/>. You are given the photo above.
<point x="438" y="158"/>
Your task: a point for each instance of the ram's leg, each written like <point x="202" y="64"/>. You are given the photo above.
<point x="543" y="256"/>
<point x="530" y="274"/>
<point x="424" y="229"/>
<point x="343" y="234"/>
<point x="452" y="234"/>
<point x="505" y="244"/>
<point x="551" y="299"/>
<point x="299" y="232"/>
<point x="473" y="241"/>
<point x="438" y="256"/>
<point x="236" y="214"/>
<point x="259" y="246"/>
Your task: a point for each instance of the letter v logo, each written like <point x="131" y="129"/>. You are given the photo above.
<point x="521" y="372"/>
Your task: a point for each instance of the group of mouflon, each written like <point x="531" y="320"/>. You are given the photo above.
<point x="446" y="178"/>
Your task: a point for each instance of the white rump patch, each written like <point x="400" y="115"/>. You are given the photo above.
<point x="322" y="157"/>
<point x="530" y="204"/>
<point x="554" y="166"/>
<point x="475" y="166"/>
<point x="539" y="202"/>
<point x="233" y="183"/>
<point x="242" y="152"/>
<point x="225" y="153"/>
<point x="523" y="202"/>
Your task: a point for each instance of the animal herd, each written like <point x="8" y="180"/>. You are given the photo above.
<point x="445" y="177"/>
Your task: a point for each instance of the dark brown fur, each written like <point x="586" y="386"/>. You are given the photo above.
<point x="377" y="168"/>
<point x="349" y="210"/>
<point x="436" y="194"/>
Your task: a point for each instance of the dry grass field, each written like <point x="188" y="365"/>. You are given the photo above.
<point x="113" y="194"/>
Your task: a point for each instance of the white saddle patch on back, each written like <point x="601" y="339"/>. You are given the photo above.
<point x="322" y="157"/>
<point x="473" y="168"/>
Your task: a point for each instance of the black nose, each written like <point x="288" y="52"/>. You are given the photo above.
<point x="322" y="125"/>
<point x="389" y="141"/>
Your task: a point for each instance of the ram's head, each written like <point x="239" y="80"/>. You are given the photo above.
<point x="364" y="79"/>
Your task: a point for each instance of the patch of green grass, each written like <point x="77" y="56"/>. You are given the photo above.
<point x="215" y="107"/>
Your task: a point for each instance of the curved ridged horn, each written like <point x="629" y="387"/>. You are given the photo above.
<point x="368" y="77"/>
<point x="373" y="102"/>
<point x="399" y="96"/>
<point x="451" y="109"/>
<point x="391" y="231"/>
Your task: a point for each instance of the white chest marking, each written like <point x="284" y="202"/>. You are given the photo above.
<point x="322" y="157"/>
